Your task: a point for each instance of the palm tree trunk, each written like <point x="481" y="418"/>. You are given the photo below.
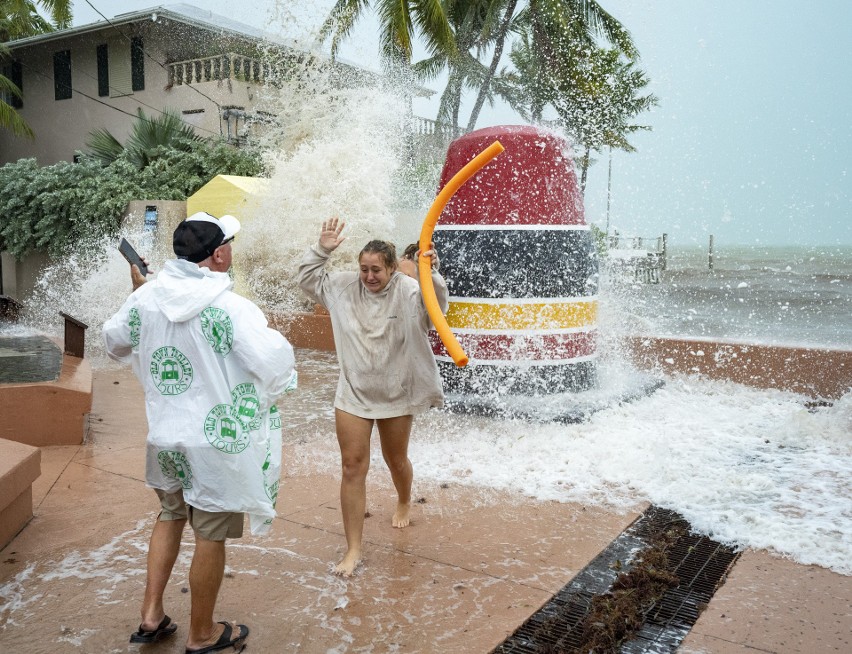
<point x="585" y="171"/>
<point x="457" y="89"/>
<point x="495" y="60"/>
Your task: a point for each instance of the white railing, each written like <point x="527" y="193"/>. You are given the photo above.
<point x="649" y="244"/>
<point x="636" y="258"/>
<point x="219" y="67"/>
<point x="427" y="127"/>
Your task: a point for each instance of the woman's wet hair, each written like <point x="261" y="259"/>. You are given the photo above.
<point x="383" y="248"/>
<point x="410" y="251"/>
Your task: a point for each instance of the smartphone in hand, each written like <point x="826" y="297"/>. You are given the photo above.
<point x="132" y="257"/>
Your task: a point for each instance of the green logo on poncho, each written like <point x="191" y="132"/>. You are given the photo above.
<point x="135" y="325"/>
<point x="217" y="329"/>
<point x="174" y="465"/>
<point x="171" y="370"/>
<point x="270" y="485"/>
<point x="272" y="491"/>
<point x="274" y="418"/>
<point x="246" y="405"/>
<point x="224" y="431"/>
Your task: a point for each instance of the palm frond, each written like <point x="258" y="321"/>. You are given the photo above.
<point x="434" y="25"/>
<point x="429" y="69"/>
<point x="11" y="120"/>
<point x="340" y="21"/>
<point x="103" y="146"/>
<point x="60" y="12"/>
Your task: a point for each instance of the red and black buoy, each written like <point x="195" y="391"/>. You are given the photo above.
<point x="521" y="268"/>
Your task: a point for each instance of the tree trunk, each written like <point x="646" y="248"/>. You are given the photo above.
<point x="584" y="172"/>
<point x="457" y="90"/>
<point x="495" y="60"/>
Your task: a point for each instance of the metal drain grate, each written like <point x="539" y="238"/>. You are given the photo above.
<point x="699" y="562"/>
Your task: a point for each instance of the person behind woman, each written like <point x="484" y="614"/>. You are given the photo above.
<point x="387" y="370"/>
<point x="408" y="261"/>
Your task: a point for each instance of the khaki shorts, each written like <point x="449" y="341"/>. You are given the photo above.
<point x="210" y="526"/>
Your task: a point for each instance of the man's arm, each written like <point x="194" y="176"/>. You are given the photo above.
<point x="116" y="333"/>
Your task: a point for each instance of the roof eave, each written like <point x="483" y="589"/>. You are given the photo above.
<point x="135" y="17"/>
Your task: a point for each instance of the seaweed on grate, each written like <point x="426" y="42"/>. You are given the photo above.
<point x="649" y="606"/>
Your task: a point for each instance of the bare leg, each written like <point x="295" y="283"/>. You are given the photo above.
<point x="205" y="577"/>
<point x="394" y="434"/>
<point x="353" y="436"/>
<point x="162" y="553"/>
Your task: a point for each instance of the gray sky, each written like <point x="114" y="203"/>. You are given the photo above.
<point x="752" y="141"/>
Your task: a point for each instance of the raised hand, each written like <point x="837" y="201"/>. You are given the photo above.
<point x="330" y="236"/>
<point x="136" y="277"/>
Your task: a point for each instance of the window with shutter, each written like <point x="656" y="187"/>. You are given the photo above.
<point x="103" y="69"/>
<point x="137" y="64"/>
<point x="62" y="75"/>
<point x="119" y="68"/>
<point x="14" y="72"/>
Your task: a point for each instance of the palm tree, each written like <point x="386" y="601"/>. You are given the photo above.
<point x="551" y="24"/>
<point x="147" y="138"/>
<point x="598" y="105"/>
<point x="473" y="25"/>
<point x="596" y="98"/>
<point x="9" y="118"/>
<point x="20" y="18"/>
<point x="530" y="84"/>
<point x="398" y="21"/>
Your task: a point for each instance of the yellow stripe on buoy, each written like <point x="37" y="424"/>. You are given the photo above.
<point x="504" y="316"/>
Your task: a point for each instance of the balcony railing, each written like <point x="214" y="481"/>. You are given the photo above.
<point x="219" y="67"/>
<point x="426" y="127"/>
<point x="430" y="139"/>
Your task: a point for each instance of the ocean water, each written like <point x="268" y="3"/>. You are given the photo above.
<point x="780" y="296"/>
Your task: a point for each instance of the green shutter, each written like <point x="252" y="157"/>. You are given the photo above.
<point x="103" y="69"/>
<point x="15" y="73"/>
<point x="62" y="74"/>
<point x="137" y="63"/>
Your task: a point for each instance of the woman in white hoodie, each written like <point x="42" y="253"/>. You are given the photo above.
<point x="387" y="370"/>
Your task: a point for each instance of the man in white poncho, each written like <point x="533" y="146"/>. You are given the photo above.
<point x="211" y="370"/>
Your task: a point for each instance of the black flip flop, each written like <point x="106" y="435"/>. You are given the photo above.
<point x="225" y="640"/>
<point x="165" y="628"/>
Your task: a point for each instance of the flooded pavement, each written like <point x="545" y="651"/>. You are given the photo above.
<point x="473" y="565"/>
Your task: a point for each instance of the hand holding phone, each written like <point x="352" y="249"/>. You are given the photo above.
<point x="132" y="257"/>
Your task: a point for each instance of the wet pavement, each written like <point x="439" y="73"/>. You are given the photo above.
<point x="472" y="566"/>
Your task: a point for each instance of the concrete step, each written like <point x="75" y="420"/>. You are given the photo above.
<point x="20" y="466"/>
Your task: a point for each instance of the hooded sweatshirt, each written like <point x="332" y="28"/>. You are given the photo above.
<point x="387" y="368"/>
<point x="211" y="370"/>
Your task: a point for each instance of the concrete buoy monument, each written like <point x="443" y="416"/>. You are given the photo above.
<point x="521" y="269"/>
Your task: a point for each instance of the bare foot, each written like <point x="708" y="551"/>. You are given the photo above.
<point x="400" y="518"/>
<point x="347" y="566"/>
